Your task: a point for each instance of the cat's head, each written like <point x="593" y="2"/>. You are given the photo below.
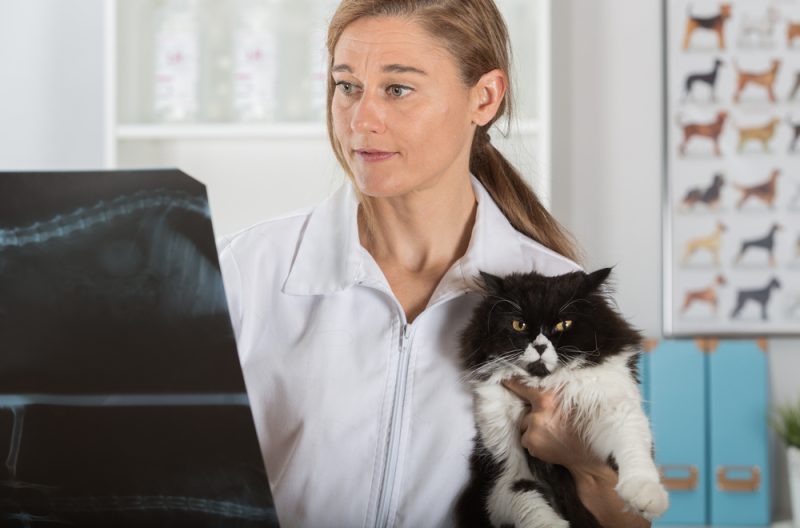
<point x="531" y="324"/>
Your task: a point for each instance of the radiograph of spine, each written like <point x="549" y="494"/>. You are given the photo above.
<point x="93" y="274"/>
<point x="122" y="401"/>
<point x="83" y="219"/>
<point x="170" y="253"/>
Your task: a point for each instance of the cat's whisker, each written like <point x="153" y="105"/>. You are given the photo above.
<point x="500" y="300"/>
<point x="567" y="303"/>
<point x="509" y="301"/>
<point x="492" y="364"/>
<point x="502" y="358"/>
<point x="571" y="348"/>
<point x="572" y="301"/>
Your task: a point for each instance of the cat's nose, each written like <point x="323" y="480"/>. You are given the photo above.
<point x="540" y="348"/>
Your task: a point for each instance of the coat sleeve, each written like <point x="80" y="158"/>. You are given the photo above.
<point x="232" y="280"/>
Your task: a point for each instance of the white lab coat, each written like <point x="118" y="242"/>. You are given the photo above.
<point x="363" y="420"/>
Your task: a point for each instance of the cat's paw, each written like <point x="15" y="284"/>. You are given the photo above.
<point x="542" y="523"/>
<point x="645" y="497"/>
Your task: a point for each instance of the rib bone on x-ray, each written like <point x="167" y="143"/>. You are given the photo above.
<point x="122" y="401"/>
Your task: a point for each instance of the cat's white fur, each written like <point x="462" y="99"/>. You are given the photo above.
<point x="606" y="405"/>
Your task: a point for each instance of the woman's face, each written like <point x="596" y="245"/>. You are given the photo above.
<point x="400" y="112"/>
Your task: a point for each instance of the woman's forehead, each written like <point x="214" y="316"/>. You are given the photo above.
<point x="383" y="41"/>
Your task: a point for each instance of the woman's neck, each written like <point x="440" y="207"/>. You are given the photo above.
<point x="423" y="229"/>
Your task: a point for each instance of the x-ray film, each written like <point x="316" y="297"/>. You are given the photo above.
<point x="122" y="401"/>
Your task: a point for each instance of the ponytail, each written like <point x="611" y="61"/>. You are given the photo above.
<point x="516" y="199"/>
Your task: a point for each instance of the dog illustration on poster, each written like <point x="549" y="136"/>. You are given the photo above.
<point x="708" y="78"/>
<point x="762" y="79"/>
<point x="792" y="32"/>
<point x="759" y="30"/>
<point x="707" y="295"/>
<point x="762" y="134"/>
<point x="766" y="243"/>
<point x="708" y="130"/>
<point x="795" y="133"/>
<point x="760" y="296"/>
<point x="715" y="24"/>
<point x="709" y="196"/>
<point x="711" y="243"/>
<point x="765" y="191"/>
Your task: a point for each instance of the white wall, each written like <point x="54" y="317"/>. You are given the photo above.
<point x="607" y="164"/>
<point x="51" y="84"/>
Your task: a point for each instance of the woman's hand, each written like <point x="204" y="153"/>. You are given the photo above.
<point x="552" y="437"/>
<point x="546" y="433"/>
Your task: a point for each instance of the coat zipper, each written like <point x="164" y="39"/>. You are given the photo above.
<point x="398" y="404"/>
<point x="395" y="428"/>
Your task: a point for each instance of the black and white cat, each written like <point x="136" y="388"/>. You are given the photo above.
<point x="561" y="334"/>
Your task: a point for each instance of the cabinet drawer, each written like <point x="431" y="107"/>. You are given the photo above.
<point x="678" y="416"/>
<point x="738" y="446"/>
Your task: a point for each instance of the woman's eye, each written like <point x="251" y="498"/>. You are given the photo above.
<point x="519" y="326"/>
<point x="398" y="90"/>
<point x="346" y="87"/>
<point x="562" y="325"/>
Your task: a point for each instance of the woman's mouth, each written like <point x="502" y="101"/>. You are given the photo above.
<point x="374" y="155"/>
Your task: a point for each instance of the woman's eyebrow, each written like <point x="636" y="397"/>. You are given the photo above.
<point x="389" y="68"/>
<point x="400" y="68"/>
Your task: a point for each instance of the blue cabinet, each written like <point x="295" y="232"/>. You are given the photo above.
<point x="738" y="402"/>
<point x="708" y="405"/>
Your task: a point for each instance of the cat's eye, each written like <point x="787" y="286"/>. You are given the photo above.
<point x="519" y="326"/>
<point x="562" y="325"/>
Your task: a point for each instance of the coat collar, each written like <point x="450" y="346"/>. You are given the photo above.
<point x="331" y="258"/>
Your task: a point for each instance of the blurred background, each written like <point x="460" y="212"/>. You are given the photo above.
<point x="232" y="92"/>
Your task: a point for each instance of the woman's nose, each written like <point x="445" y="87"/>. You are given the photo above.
<point x="368" y="114"/>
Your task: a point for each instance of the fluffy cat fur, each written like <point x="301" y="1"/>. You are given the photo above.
<point x="521" y="329"/>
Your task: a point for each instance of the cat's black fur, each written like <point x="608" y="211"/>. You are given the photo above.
<point x="597" y="333"/>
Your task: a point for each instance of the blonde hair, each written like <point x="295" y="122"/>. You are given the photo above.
<point x="474" y="33"/>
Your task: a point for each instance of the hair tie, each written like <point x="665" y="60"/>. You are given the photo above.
<point x="483" y="136"/>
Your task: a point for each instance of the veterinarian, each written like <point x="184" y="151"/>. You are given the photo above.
<point x="347" y="316"/>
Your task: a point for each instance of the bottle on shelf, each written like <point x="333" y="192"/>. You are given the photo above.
<point x="255" y="60"/>
<point x="177" y="60"/>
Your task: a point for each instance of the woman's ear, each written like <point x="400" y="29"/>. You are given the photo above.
<point x="486" y="95"/>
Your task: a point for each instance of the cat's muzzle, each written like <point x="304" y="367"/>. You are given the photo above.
<point x="537" y="368"/>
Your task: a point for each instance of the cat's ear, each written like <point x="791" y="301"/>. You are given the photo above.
<point x="492" y="283"/>
<point x="595" y="279"/>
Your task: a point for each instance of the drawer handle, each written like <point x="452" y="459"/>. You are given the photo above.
<point x="750" y="483"/>
<point x="679" y="483"/>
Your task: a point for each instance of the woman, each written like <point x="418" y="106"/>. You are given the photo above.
<point x="347" y="316"/>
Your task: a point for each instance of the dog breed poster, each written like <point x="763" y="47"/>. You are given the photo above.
<point x="122" y="401"/>
<point x="732" y="201"/>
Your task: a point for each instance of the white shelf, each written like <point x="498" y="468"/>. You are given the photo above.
<point x="221" y="131"/>
<point x="147" y="131"/>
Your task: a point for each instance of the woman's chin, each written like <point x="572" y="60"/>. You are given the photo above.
<point x="379" y="186"/>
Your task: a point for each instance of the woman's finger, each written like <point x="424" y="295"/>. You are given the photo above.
<point x="528" y="394"/>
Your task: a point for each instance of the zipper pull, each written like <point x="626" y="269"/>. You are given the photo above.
<point x="404" y="337"/>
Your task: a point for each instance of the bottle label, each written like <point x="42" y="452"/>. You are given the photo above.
<point x="254" y="74"/>
<point x="176" y="76"/>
